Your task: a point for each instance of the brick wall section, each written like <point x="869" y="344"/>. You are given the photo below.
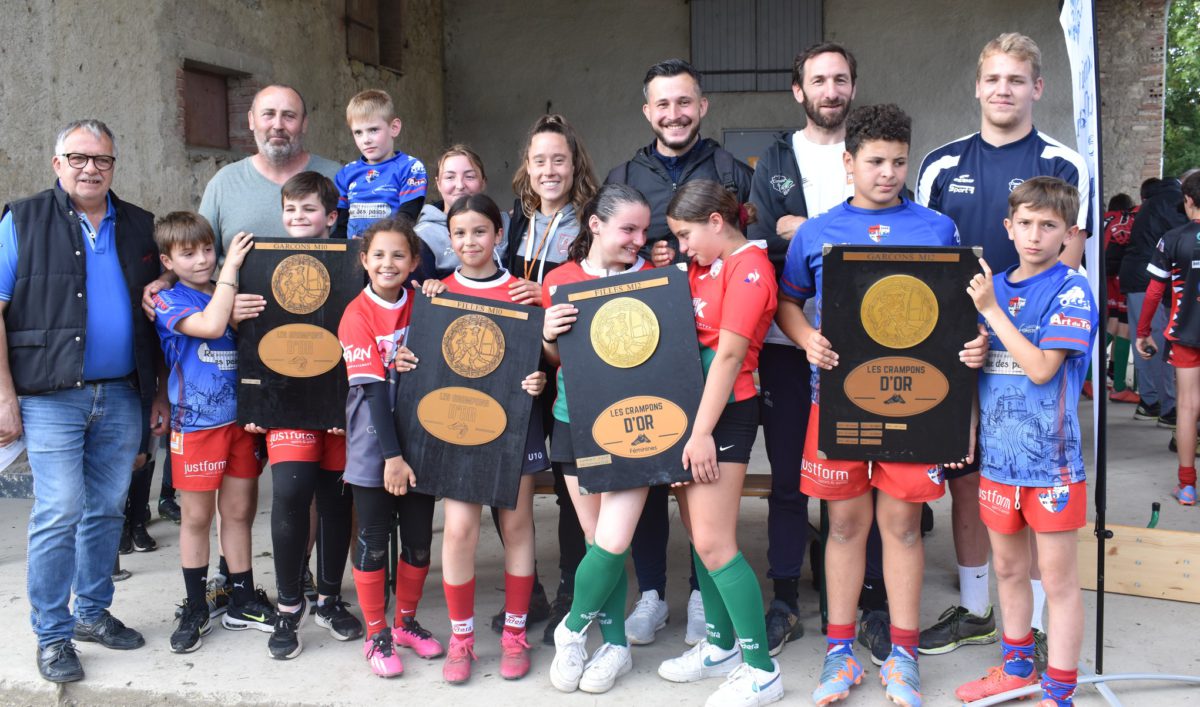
<point x="1131" y="36"/>
<point x="241" y="95"/>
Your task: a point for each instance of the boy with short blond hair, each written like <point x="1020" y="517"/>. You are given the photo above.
<point x="384" y="182"/>
<point x="1041" y="320"/>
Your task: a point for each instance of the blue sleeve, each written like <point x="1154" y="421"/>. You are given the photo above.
<point x="170" y="310"/>
<point x="1070" y="321"/>
<point x="8" y="257"/>
<point x="412" y="184"/>
<point x="797" y="279"/>
<point x="340" y="182"/>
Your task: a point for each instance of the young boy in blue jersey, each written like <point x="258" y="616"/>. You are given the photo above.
<point x="877" y="141"/>
<point x="384" y="182"/>
<point x="1041" y="320"/>
<point x="215" y="463"/>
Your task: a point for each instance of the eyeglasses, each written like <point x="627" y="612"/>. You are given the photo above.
<point x="78" y="160"/>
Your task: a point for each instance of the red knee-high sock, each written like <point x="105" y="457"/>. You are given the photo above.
<point x="906" y="639"/>
<point x="370" y="587"/>
<point x="410" y="584"/>
<point x="460" y="604"/>
<point x="517" y="591"/>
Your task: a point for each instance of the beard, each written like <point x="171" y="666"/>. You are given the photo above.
<point x="813" y="111"/>
<point x="279" y="153"/>
<point x="687" y="141"/>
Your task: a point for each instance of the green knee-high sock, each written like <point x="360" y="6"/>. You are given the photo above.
<point x="598" y="573"/>
<point x="743" y="600"/>
<point x="1120" y="349"/>
<point x="612" y="615"/>
<point x="716" y="617"/>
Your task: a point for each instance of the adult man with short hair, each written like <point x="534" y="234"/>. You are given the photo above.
<point x="82" y="360"/>
<point x="675" y="106"/>
<point x="969" y="180"/>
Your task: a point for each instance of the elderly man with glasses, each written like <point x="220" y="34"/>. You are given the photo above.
<point x="77" y="365"/>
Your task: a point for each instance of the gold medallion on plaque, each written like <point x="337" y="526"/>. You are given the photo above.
<point x="624" y="332"/>
<point x="300" y="284"/>
<point x="473" y="346"/>
<point x="899" y="311"/>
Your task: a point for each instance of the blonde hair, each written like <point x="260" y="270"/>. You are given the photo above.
<point x="1015" y="45"/>
<point x="583" y="177"/>
<point x="372" y="103"/>
<point x="461" y="150"/>
<point x="180" y="229"/>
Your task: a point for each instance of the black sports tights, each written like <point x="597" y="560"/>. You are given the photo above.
<point x="378" y="511"/>
<point x="294" y="484"/>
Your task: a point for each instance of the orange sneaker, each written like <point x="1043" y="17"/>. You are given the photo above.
<point x="995" y="682"/>
<point x="1125" y="396"/>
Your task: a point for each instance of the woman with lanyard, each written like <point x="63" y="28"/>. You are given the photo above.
<point x="553" y="182"/>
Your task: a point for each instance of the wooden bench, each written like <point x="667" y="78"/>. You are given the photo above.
<point x="755" y="485"/>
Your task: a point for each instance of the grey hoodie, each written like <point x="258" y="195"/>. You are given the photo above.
<point x="433" y="228"/>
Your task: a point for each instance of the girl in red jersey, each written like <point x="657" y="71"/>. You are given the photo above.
<point x="372" y="334"/>
<point x="475" y="230"/>
<point x="734" y="297"/>
<point x="616" y="222"/>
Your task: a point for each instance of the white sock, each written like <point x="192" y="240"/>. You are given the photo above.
<point x="1039" y="604"/>
<point x="973" y="589"/>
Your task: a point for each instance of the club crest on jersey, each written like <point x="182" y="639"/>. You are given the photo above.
<point x="782" y="184"/>
<point x="372" y="175"/>
<point x="752" y="278"/>
<point x="1015" y="305"/>
<point x="878" y="233"/>
<point x="1014" y="183"/>
<point x="1074" y="297"/>
<point x="1055" y="498"/>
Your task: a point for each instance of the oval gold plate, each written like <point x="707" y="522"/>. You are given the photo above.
<point x="299" y="350"/>
<point x="461" y="416"/>
<point x="641" y="426"/>
<point x="896" y="386"/>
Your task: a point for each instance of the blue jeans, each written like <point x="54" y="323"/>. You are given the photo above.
<point x="82" y="443"/>
<point x="1155" y="377"/>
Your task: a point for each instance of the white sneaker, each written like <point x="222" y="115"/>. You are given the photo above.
<point x="747" y="686"/>
<point x="606" y="665"/>
<point x="696" y="631"/>
<point x="649" y="615"/>
<point x="704" y="660"/>
<point x="570" y="655"/>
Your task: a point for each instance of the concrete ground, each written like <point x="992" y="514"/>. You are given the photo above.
<point x="1141" y="635"/>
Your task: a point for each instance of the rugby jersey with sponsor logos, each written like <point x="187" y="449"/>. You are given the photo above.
<point x="969" y="181"/>
<point x="371" y="192"/>
<point x="202" y="373"/>
<point x="906" y="224"/>
<point x="1029" y="433"/>
<point x="1174" y="261"/>
<point x="737" y="294"/>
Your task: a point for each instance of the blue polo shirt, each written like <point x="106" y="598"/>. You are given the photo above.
<point x="108" y="350"/>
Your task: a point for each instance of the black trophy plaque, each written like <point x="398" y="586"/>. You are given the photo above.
<point x="631" y="367"/>
<point x="897" y="318"/>
<point x="290" y="370"/>
<point x="461" y="413"/>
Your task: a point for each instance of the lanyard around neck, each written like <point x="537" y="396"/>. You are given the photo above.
<point x="532" y="253"/>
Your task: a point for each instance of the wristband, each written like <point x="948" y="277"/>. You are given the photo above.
<point x="226" y="282"/>
<point x="550" y="341"/>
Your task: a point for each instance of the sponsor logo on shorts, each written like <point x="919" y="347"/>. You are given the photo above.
<point x="935" y="474"/>
<point x="1055" y="498"/>
<point x="204" y="468"/>
<point x="292" y="438"/>
<point x="1073" y="322"/>
<point x="825" y="475"/>
<point x="995" y="499"/>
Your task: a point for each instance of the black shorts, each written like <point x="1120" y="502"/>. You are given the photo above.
<point x="561" y="449"/>
<point x="535" y="458"/>
<point x="736" y="431"/>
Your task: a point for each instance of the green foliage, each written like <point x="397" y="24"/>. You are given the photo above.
<point x="1181" y="139"/>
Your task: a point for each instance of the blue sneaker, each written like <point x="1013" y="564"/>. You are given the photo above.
<point x="901" y="678"/>
<point x="840" y="672"/>
<point x="1185" y="494"/>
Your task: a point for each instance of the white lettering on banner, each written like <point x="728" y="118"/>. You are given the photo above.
<point x="1002" y="363"/>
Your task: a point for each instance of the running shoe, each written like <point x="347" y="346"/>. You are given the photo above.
<point x="258" y="614"/>
<point x="1146" y="412"/>
<point x="648" y="617"/>
<point x="701" y="661"/>
<point x="570" y="656"/>
<point x="1167" y="419"/>
<point x="457" y="668"/>
<point x="875" y="633"/>
<point x="381" y="654"/>
<point x="193" y="623"/>
<point x="747" y="686"/>
<point x="216" y="596"/>
<point x="901" y="678"/>
<point x="341" y="623"/>
<point x="840" y="672"/>
<point x="141" y="540"/>
<point x="168" y="509"/>
<point x="783" y="626"/>
<point x="284" y="643"/>
<point x="126" y="545"/>
<point x="605" y="666"/>
<point x="1185" y="494"/>
<point x="995" y="682"/>
<point x="514" y="655"/>
<point x="958" y="627"/>
<point x="410" y="634"/>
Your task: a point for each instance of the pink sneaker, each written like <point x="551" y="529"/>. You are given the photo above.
<point x="381" y="655"/>
<point x="457" y="668"/>
<point x="410" y="634"/>
<point x="514" y="655"/>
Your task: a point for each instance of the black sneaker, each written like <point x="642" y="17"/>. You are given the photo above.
<point x="141" y="540"/>
<point x="1146" y="412"/>
<point x="126" y="545"/>
<point x="108" y="631"/>
<point x="284" y="643"/>
<point x="875" y="633"/>
<point x="216" y="596"/>
<point x="58" y="662"/>
<point x="958" y="627"/>
<point x="341" y="623"/>
<point x="1040" y="651"/>
<point x="168" y="509"/>
<point x="782" y="626"/>
<point x="193" y="623"/>
<point x="539" y="609"/>
<point x="310" y="587"/>
<point x="1167" y="419"/>
<point x="558" y="611"/>
<point x="258" y="614"/>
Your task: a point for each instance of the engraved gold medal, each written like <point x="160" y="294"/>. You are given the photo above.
<point x="899" y="311"/>
<point x="300" y="284"/>
<point x="473" y="346"/>
<point x="624" y="332"/>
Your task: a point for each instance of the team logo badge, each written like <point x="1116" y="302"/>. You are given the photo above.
<point x="1015" y="305"/>
<point x="782" y="184"/>
<point x="1014" y="183"/>
<point x="752" y="278"/>
<point x="1055" y="498"/>
<point x="372" y="175"/>
<point x="935" y="475"/>
<point x="878" y="233"/>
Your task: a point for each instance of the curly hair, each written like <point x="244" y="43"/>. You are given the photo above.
<point x="583" y="181"/>
<point x="884" y="121"/>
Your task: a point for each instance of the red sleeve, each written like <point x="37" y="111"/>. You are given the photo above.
<point x="748" y="298"/>
<point x="1154" y="295"/>
<point x="363" y="363"/>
